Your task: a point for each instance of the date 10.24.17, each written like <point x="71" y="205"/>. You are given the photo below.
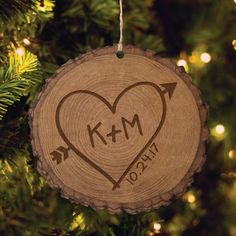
<point x="142" y="164"/>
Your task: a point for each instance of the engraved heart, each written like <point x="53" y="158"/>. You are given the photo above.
<point x="112" y="136"/>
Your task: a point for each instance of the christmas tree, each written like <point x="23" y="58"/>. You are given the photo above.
<point x="37" y="36"/>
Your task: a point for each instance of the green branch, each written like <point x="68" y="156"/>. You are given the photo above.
<point x="17" y="78"/>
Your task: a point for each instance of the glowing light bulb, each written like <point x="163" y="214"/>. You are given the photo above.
<point x="26" y="41"/>
<point x="205" y="57"/>
<point x="20" y="51"/>
<point x="234" y="42"/>
<point x="156" y="226"/>
<point x="181" y="62"/>
<point x="191" y="198"/>
<point x="150" y="233"/>
<point x="232" y="154"/>
<point x="220" y="129"/>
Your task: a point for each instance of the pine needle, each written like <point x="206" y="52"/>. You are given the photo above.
<point x="17" y="78"/>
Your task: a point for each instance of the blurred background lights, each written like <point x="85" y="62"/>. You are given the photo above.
<point x="205" y="57"/>
<point x="234" y="42"/>
<point x="232" y="154"/>
<point x="20" y="51"/>
<point x="191" y="198"/>
<point x="26" y="41"/>
<point x="150" y="233"/>
<point x="220" y="129"/>
<point x="182" y="62"/>
<point x="156" y="226"/>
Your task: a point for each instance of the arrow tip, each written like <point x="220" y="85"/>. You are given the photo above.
<point x="169" y="88"/>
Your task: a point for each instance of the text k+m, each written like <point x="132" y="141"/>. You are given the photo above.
<point x="95" y="134"/>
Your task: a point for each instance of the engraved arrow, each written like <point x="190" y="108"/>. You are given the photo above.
<point x="169" y="88"/>
<point x="61" y="153"/>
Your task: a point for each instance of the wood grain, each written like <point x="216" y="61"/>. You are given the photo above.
<point x="121" y="134"/>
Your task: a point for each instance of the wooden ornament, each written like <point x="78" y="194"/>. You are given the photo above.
<point x="121" y="134"/>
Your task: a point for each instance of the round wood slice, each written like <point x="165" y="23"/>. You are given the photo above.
<point x="121" y="134"/>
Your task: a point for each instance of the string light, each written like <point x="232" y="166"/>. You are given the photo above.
<point x="156" y="226"/>
<point x="232" y="154"/>
<point x="205" y="57"/>
<point x="150" y="233"/>
<point x="220" y="129"/>
<point x="20" y="51"/>
<point x="26" y="41"/>
<point x="181" y="62"/>
<point x="234" y="42"/>
<point x="191" y="198"/>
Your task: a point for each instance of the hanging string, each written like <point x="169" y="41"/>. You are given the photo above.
<point x="120" y="44"/>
